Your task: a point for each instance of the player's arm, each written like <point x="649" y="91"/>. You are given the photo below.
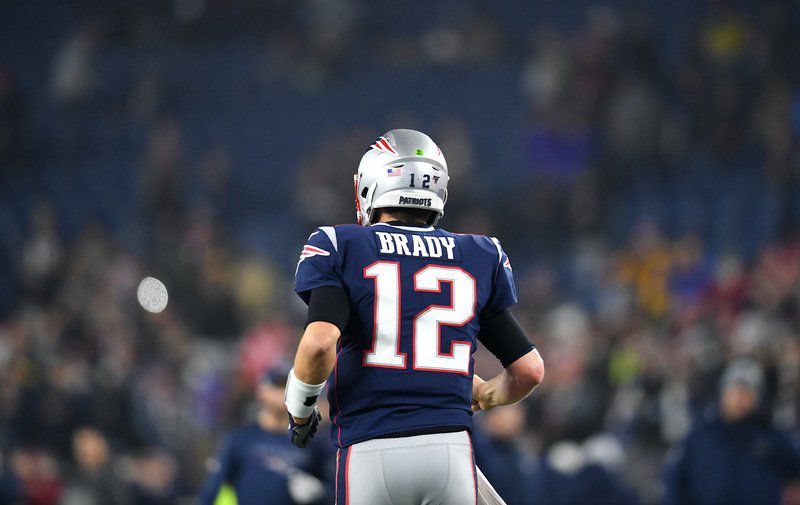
<point x="502" y="335"/>
<point x="318" y="281"/>
<point x="513" y="385"/>
<point x="524" y="368"/>
<point x="328" y="313"/>
<point x="316" y="353"/>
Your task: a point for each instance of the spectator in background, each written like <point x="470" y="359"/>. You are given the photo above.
<point x="38" y="475"/>
<point x="258" y="461"/>
<point x="500" y="455"/>
<point x="689" y="278"/>
<point x="161" y="177"/>
<point x="41" y="254"/>
<point x="572" y="474"/>
<point x="9" y="484"/>
<point x="601" y="475"/>
<point x="73" y="77"/>
<point x="733" y="457"/>
<point x="646" y="269"/>
<point x="93" y="481"/>
<point x="154" y="478"/>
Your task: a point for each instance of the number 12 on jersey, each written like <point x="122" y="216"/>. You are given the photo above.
<point x="426" y="336"/>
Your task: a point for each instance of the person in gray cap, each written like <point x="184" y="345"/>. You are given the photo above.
<point x="732" y="457"/>
<point x="741" y="388"/>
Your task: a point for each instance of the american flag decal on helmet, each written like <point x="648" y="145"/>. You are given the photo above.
<point x="382" y="144"/>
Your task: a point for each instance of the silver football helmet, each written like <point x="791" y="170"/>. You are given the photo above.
<point x="403" y="168"/>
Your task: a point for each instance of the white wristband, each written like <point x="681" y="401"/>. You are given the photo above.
<point x="301" y="397"/>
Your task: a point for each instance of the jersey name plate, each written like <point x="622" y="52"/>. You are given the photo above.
<point x="418" y="246"/>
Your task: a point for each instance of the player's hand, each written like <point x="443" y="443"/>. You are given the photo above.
<point x="481" y="395"/>
<point x="476" y="383"/>
<point x="301" y="433"/>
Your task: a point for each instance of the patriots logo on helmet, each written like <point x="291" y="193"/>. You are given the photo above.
<point x="382" y="144"/>
<point x="507" y="264"/>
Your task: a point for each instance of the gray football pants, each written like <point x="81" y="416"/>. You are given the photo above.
<point x="436" y="469"/>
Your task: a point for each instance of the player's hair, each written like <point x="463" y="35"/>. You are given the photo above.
<point x="409" y="216"/>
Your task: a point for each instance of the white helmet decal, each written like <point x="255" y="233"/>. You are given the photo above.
<point x="382" y="144"/>
<point x="403" y="168"/>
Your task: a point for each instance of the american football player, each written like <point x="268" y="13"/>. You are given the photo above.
<point x="396" y="307"/>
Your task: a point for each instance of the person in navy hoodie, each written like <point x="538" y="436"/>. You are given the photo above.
<point x="260" y="463"/>
<point x="573" y="474"/>
<point x="501" y="453"/>
<point x="733" y="456"/>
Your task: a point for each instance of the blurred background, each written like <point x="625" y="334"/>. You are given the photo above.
<point x="640" y="162"/>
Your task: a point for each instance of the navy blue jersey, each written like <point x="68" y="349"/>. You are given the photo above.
<point x="417" y="296"/>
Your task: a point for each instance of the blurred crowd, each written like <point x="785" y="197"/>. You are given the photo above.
<point x="649" y="200"/>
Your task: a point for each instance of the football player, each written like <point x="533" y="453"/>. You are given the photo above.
<point x="395" y="309"/>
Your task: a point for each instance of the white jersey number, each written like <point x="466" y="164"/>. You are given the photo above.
<point x="427" y="341"/>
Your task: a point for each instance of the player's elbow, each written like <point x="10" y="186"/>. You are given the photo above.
<point x="319" y="339"/>
<point x="529" y="369"/>
<point x="537" y="372"/>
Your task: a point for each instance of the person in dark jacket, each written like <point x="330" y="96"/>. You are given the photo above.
<point x="260" y="463"/>
<point x="93" y="481"/>
<point x="732" y="457"/>
<point x="501" y="455"/>
<point x="590" y="473"/>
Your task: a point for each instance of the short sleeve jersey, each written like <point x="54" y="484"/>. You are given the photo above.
<point x="417" y="296"/>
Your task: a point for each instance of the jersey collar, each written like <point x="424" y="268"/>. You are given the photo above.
<point x="405" y="227"/>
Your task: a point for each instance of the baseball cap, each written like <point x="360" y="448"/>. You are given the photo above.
<point x="743" y="372"/>
<point x="276" y="375"/>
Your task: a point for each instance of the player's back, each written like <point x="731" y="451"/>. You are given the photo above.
<point x="416" y="295"/>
